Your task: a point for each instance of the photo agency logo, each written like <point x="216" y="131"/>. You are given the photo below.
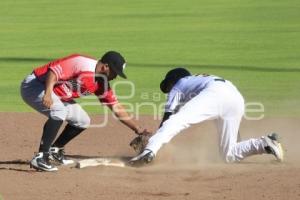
<point x="155" y="102"/>
<point x="151" y="102"/>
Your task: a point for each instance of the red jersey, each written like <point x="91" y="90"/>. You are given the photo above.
<point x="76" y="77"/>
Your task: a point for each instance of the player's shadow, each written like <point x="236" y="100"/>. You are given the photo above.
<point x="15" y="165"/>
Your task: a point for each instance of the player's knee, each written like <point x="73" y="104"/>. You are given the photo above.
<point x="230" y="157"/>
<point x="83" y="122"/>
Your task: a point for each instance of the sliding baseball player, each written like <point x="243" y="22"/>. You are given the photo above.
<point x="193" y="99"/>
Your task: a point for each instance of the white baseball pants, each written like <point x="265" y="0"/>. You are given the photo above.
<point x="220" y="101"/>
<point x="32" y="92"/>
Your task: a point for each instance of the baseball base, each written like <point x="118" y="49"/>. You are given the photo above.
<point x="93" y="162"/>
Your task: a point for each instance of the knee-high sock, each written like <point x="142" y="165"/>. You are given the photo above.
<point x="50" y="130"/>
<point x="69" y="133"/>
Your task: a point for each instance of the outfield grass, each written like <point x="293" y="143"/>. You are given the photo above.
<point x="255" y="43"/>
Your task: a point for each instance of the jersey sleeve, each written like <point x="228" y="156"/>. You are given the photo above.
<point x="109" y="98"/>
<point x="173" y="101"/>
<point x="106" y="97"/>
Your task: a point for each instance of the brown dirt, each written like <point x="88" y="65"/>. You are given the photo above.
<point x="187" y="168"/>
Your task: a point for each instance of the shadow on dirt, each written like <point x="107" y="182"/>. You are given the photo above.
<point x="23" y="165"/>
<point x="15" y="165"/>
<point x="15" y="162"/>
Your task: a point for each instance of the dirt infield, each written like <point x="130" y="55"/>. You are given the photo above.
<point x="187" y="168"/>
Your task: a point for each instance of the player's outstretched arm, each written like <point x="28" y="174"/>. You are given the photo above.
<point x="124" y="117"/>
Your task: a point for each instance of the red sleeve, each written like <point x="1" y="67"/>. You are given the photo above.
<point x="106" y="97"/>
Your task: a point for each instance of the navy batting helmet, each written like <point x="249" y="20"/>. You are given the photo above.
<point x="172" y="77"/>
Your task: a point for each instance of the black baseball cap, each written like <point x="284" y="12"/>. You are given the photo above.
<point x="115" y="61"/>
<point x="172" y="77"/>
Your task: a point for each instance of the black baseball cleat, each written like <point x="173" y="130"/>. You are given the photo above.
<point x="41" y="162"/>
<point x="57" y="155"/>
<point x="144" y="158"/>
<point x="273" y="146"/>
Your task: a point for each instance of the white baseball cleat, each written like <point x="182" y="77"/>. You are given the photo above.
<point x="273" y="146"/>
<point x="144" y="158"/>
<point x="41" y="162"/>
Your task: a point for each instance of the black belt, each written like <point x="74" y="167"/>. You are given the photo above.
<point x="219" y="79"/>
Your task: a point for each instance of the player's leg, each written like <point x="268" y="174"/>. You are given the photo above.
<point x="32" y="94"/>
<point x="233" y="151"/>
<point x="230" y="149"/>
<point x="202" y="107"/>
<point x="78" y="120"/>
<point x="228" y="127"/>
<point x="32" y="91"/>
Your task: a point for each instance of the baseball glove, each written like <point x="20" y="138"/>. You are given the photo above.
<point x="139" y="143"/>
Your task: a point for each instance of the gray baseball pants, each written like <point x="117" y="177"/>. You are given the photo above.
<point x="32" y="92"/>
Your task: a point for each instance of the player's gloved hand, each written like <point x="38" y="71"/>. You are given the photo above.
<point x="140" y="142"/>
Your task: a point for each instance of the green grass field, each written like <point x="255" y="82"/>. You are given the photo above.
<point x="255" y="44"/>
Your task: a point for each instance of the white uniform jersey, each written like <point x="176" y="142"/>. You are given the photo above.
<point x="185" y="89"/>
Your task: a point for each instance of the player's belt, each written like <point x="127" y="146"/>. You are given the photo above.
<point x="219" y="79"/>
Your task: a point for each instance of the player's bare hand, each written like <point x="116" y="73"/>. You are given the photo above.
<point x="47" y="100"/>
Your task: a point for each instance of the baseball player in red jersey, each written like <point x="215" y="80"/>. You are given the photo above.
<point x="51" y="90"/>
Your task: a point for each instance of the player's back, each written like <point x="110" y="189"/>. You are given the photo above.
<point x="67" y="67"/>
<point x="191" y="86"/>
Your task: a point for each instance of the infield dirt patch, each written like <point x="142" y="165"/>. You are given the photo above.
<point x="187" y="168"/>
